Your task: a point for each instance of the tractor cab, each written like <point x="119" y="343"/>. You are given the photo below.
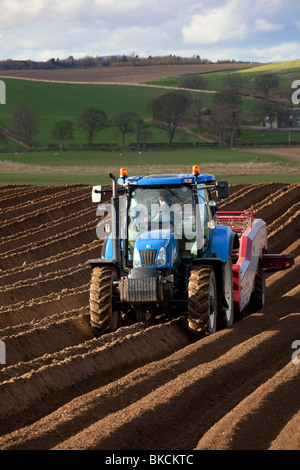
<point x="167" y="218"/>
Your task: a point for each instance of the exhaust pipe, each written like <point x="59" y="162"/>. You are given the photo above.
<point x="115" y="221"/>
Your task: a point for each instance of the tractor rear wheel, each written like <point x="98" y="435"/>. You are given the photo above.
<point x="227" y="317"/>
<point x="102" y="317"/>
<point x="202" y="301"/>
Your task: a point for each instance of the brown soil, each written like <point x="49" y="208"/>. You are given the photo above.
<point x="289" y="152"/>
<point x="126" y="75"/>
<point x="146" y="386"/>
<point x="251" y="168"/>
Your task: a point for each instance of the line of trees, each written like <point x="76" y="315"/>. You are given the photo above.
<point x="104" y="61"/>
<point x="169" y="112"/>
<point x="268" y="107"/>
<point x="98" y="61"/>
<point x="91" y="122"/>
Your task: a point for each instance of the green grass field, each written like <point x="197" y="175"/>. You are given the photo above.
<point x="93" y="179"/>
<point x="287" y="72"/>
<point x="63" y="101"/>
<point x="106" y="160"/>
<point x="163" y="157"/>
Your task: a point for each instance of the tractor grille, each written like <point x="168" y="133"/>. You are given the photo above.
<point x="148" y="257"/>
<point x="141" y="290"/>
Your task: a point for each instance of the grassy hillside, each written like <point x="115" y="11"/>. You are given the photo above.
<point x="275" y="66"/>
<point x="62" y="101"/>
<point x="287" y="72"/>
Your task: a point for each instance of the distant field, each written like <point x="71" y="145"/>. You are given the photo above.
<point x="276" y="66"/>
<point x="165" y="157"/>
<point x="78" y="89"/>
<point x="213" y="81"/>
<point x="93" y="167"/>
<point x="125" y="75"/>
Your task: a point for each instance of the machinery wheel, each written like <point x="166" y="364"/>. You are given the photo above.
<point x="258" y="296"/>
<point x="102" y="318"/>
<point x="228" y="316"/>
<point x="202" y="301"/>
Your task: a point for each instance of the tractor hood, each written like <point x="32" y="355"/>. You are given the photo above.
<point x="156" y="248"/>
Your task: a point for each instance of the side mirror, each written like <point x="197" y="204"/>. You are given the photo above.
<point x="222" y="189"/>
<point x="97" y="194"/>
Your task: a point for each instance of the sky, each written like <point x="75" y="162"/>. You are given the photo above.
<point x="247" y="30"/>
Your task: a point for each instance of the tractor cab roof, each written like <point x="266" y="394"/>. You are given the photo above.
<point x="157" y="180"/>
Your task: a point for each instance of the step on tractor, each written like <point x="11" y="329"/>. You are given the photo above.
<point x="168" y="250"/>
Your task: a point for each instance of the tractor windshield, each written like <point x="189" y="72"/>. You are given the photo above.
<point x="157" y="208"/>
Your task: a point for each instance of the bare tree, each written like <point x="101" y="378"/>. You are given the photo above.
<point x="170" y="110"/>
<point x="233" y="82"/>
<point x="141" y="130"/>
<point x="196" y="113"/>
<point x="226" y="116"/>
<point x="226" y="123"/>
<point x="3" y="138"/>
<point x="266" y="111"/>
<point x="266" y="82"/>
<point x="91" y="121"/>
<point x="194" y="82"/>
<point x="125" y="122"/>
<point x="63" y="130"/>
<point x="24" y="122"/>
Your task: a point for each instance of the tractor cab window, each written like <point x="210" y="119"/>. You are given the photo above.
<point x="164" y="207"/>
<point x="206" y="215"/>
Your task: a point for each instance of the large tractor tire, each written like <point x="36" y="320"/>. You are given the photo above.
<point x="226" y="319"/>
<point x="258" y="296"/>
<point x="202" y="301"/>
<point x="102" y="317"/>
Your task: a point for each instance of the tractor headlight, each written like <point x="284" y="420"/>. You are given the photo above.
<point x="161" y="257"/>
<point x="136" y="258"/>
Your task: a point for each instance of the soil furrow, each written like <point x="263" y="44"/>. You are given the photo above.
<point x="179" y="398"/>
<point x="145" y="386"/>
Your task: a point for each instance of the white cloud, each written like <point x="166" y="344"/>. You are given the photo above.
<point x="219" y="29"/>
<point x="216" y="24"/>
<point x="263" y="25"/>
<point x="280" y="52"/>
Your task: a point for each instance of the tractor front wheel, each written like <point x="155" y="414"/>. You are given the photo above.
<point x="102" y="317"/>
<point x="202" y="301"/>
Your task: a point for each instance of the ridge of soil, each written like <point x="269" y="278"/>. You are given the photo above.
<point x="146" y="386"/>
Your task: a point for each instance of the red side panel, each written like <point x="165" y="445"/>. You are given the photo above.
<point x="236" y="286"/>
<point x="252" y="244"/>
<point x="270" y="262"/>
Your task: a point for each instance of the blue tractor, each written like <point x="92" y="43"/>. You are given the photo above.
<point x="163" y="252"/>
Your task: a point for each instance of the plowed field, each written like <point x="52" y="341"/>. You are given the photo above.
<point x="146" y="386"/>
<point x="127" y="75"/>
